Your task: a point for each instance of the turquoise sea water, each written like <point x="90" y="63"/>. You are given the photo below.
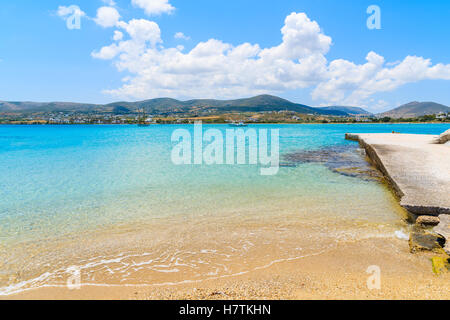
<point x="104" y="197"/>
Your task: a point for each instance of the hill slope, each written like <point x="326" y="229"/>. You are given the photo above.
<point x="416" y="109"/>
<point x="350" y="110"/>
<point x="168" y="105"/>
<point x="255" y="104"/>
<point x="46" y="106"/>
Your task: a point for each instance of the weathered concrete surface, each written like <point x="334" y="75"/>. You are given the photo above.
<point x="418" y="170"/>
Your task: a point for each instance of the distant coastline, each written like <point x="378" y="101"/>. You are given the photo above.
<point x="259" y="109"/>
<point x="219" y="123"/>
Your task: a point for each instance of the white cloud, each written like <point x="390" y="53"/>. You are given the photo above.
<point x="301" y="38"/>
<point x="70" y="10"/>
<point x="142" y="31"/>
<point x="220" y="69"/>
<point x="107" y="17"/>
<point x="154" y="7"/>
<point x="353" y="84"/>
<point x="143" y="34"/>
<point x="217" y="69"/>
<point x="181" y="35"/>
<point x="72" y="15"/>
<point x="117" y="35"/>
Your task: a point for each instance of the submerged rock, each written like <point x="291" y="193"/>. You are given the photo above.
<point x="347" y="160"/>
<point x="365" y="173"/>
<point x="427" y="221"/>
<point x="424" y="240"/>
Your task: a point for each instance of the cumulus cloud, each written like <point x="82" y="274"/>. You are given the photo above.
<point x="64" y="11"/>
<point x="181" y="35"/>
<point x="217" y="68"/>
<point x="301" y="38"/>
<point x="353" y="84"/>
<point x="154" y="7"/>
<point x="118" y="35"/>
<point x="107" y="17"/>
<point x="143" y="35"/>
<point x="72" y="15"/>
<point x="70" y="12"/>
<point x="214" y="68"/>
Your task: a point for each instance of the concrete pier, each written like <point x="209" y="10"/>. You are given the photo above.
<point x="418" y="170"/>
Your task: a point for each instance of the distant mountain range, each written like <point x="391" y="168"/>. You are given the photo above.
<point x="354" y="111"/>
<point x="416" y="109"/>
<point x="254" y="104"/>
<point x="167" y="105"/>
<point x="23" y="107"/>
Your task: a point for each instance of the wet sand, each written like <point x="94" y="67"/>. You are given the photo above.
<point x="339" y="273"/>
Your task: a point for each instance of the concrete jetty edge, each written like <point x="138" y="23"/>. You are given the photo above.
<point x="414" y="207"/>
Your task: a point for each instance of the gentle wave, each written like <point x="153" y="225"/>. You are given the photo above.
<point x="39" y="282"/>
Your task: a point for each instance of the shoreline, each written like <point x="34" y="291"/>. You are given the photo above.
<point x="403" y="276"/>
<point x="418" y="171"/>
<point x="212" y="123"/>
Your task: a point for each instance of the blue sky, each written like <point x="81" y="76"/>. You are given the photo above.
<point x="322" y="61"/>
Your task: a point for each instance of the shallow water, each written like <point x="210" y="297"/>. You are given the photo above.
<point x="109" y="200"/>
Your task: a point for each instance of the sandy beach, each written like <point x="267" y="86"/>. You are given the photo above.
<point x="339" y="273"/>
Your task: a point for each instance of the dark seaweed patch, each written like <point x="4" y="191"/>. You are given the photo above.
<point x="348" y="160"/>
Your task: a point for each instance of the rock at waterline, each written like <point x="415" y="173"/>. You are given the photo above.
<point x="427" y="221"/>
<point x="443" y="228"/>
<point x="424" y="240"/>
<point x="443" y="138"/>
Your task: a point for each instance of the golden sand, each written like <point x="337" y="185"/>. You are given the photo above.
<point x="339" y="273"/>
